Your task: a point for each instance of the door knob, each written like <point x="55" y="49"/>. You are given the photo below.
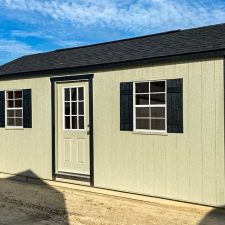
<point x="88" y="129"/>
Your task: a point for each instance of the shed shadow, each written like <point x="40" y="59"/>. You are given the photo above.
<point x="215" y="217"/>
<point x="31" y="203"/>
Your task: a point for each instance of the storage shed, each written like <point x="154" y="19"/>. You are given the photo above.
<point x="143" y="115"/>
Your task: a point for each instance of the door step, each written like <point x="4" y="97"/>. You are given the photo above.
<point x="75" y="182"/>
<point x="73" y="176"/>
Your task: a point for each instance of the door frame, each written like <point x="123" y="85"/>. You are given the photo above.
<point x="67" y="79"/>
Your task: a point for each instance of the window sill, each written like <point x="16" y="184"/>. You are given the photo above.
<point x="14" y="128"/>
<point x="151" y="133"/>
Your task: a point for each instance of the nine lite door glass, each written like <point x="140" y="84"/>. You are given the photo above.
<point x="14" y="108"/>
<point x="150" y="106"/>
<point x="74" y="108"/>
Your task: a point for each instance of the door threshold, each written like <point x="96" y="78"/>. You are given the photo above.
<point x="74" y="182"/>
<point x="73" y="176"/>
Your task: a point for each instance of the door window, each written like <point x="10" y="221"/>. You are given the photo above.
<point x="74" y="108"/>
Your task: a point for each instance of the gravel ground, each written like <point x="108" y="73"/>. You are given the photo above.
<point x="29" y="204"/>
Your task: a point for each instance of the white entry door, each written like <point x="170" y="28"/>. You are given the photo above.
<point x="73" y="128"/>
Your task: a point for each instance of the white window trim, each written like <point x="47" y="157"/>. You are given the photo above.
<point x="63" y="108"/>
<point x="6" y="108"/>
<point x="134" y="107"/>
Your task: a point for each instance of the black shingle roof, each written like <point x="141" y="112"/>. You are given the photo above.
<point x="174" y="43"/>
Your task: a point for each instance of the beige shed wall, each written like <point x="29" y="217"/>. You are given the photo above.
<point x="188" y="166"/>
<point x="29" y="149"/>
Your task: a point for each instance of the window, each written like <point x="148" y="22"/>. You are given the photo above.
<point x="150" y="106"/>
<point x="14" y="108"/>
<point x="74" y="109"/>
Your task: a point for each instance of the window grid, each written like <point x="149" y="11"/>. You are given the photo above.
<point x="150" y="106"/>
<point x="11" y="113"/>
<point x="78" y="116"/>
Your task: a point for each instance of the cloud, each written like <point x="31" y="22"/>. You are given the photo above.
<point x="70" y="43"/>
<point x="25" y="34"/>
<point x="61" y="42"/>
<point x="10" y="49"/>
<point x="133" y="16"/>
<point x="13" y="46"/>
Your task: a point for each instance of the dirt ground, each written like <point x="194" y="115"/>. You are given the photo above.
<point x="30" y="204"/>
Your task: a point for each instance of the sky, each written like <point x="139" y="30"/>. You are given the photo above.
<point x="33" y="26"/>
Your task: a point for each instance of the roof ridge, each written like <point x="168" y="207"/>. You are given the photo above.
<point x="116" y="41"/>
<point x="139" y="37"/>
<point x="204" y="27"/>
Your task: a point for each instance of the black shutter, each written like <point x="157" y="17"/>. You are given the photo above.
<point x="2" y="109"/>
<point x="27" y="108"/>
<point x="175" y="106"/>
<point x="126" y="106"/>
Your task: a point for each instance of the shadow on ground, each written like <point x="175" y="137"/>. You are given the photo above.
<point x="215" y="217"/>
<point x="44" y="205"/>
<point x="23" y="204"/>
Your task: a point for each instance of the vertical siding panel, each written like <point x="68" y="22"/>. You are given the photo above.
<point x="115" y="154"/>
<point x="131" y="151"/>
<point x="195" y="131"/>
<point x="149" y="159"/>
<point x="171" y="165"/>
<point x="100" y="139"/>
<point x="159" y="166"/>
<point x="219" y="91"/>
<point x="137" y="161"/>
<point x="183" y="144"/>
<point x="208" y="131"/>
<point x="171" y="149"/>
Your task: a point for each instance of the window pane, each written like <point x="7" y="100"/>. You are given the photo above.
<point x="9" y="95"/>
<point x="142" y="87"/>
<point x="67" y="122"/>
<point x="10" y="103"/>
<point x="10" y="113"/>
<point x="142" y="112"/>
<point x="81" y="93"/>
<point x="67" y="108"/>
<point x="158" y="86"/>
<point x="81" y="108"/>
<point x="74" y="94"/>
<point x="157" y="99"/>
<point x="18" y="103"/>
<point x="14" y="116"/>
<point x="74" y="108"/>
<point x="74" y="122"/>
<point x="142" y="99"/>
<point x="18" y="113"/>
<point x="158" y="112"/>
<point x="67" y="94"/>
<point x="157" y="124"/>
<point x="10" y="122"/>
<point x="18" y="94"/>
<point x="81" y="122"/>
<point x="143" y="124"/>
<point x="19" y="122"/>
